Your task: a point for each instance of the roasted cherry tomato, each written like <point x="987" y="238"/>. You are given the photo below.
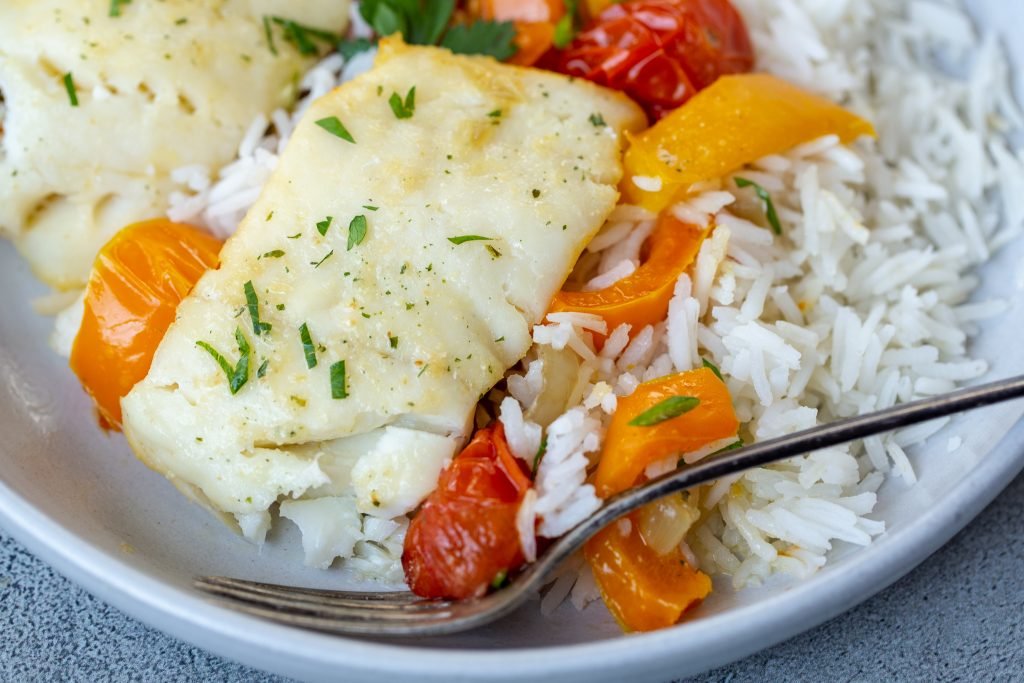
<point x="660" y="52"/>
<point x="136" y="283"/>
<point x="464" y="538"/>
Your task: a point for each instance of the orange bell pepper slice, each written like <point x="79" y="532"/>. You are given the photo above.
<point x="534" y="21"/>
<point x="642" y="297"/>
<point x="735" y="121"/>
<point x="137" y="281"/>
<point x="629" y="449"/>
<point x="644" y="591"/>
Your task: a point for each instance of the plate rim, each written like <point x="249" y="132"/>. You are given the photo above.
<point x="188" y="616"/>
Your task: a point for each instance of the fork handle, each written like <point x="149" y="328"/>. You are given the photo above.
<point x="798" y="443"/>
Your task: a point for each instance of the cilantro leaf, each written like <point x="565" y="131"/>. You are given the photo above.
<point x="494" y="38"/>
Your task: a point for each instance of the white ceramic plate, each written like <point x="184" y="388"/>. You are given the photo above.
<point x="80" y="500"/>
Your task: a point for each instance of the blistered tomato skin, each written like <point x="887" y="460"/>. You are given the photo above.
<point x="137" y="281"/>
<point x="660" y="52"/>
<point x="465" y="534"/>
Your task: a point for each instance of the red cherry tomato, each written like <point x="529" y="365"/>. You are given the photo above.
<point x="464" y="536"/>
<point x="660" y="52"/>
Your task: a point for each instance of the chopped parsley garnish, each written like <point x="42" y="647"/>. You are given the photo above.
<point x="422" y="370"/>
<point x="356" y="231"/>
<point x="494" y="38"/>
<point x="116" y="5"/>
<point x="338" y="388"/>
<point x="316" y="264"/>
<point x="565" y="29"/>
<point x="671" y="407"/>
<point x="252" y="302"/>
<point x="494" y="252"/>
<point x="462" y="239"/>
<point x="712" y="367"/>
<point x="393" y="341"/>
<point x="350" y="48"/>
<point x="307" y="346"/>
<point x="370" y="207"/>
<point x="69" y="85"/>
<point x="496" y="114"/>
<point x="295" y="236"/>
<point x="535" y="193"/>
<point x="500" y="579"/>
<point x="262" y="369"/>
<point x="275" y="253"/>
<point x="597" y="121"/>
<point x="336" y="128"/>
<point x="323" y="226"/>
<point x="239" y="374"/>
<point x="769" y="205"/>
<point x="301" y="36"/>
<point x="735" y="446"/>
<point x="403" y="109"/>
<point x="540" y="453"/>
<point x="427" y="23"/>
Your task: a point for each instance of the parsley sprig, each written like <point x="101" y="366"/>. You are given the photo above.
<point x="426" y="22"/>
<point x="239" y="374"/>
<point x="769" y="205"/>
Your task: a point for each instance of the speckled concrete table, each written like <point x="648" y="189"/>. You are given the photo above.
<point x="958" y="616"/>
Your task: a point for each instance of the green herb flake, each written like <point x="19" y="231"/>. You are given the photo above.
<point x="565" y="29"/>
<point x="370" y="207"/>
<point x="496" y="114"/>
<point x="734" y="446"/>
<point x="116" y="5"/>
<point x="462" y="239"/>
<point x="597" y="121"/>
<point x="307" y="346"/>
<point x="317" y="264"/>
<point x="69" y="85"/>
<point x="262" y="369"/>
<point x="275" y="253"/>
<point x="356" y="231"/>
<point x="403" y="109"/>
<point x="494" y="38"/>
<point x="769" y="205"/>
<point x="334" y="126"/>
<point x="536" y="193"/>
<point x="350" y="48"/>
<point x="712" y="367"/>
<point x="670" y="408"/>
<point x="338" y="388"/>
<point x="239" y="374"/>
<point x="323" y="226"/>
<point x="280" y="307"/>
<point x="301" y="36"/>
<point x="393" y="341"/>
<point x="422" y="370"/>
<point x="253" y="304"/>
<point x="494" y="252"/>
<point x="500" y="579"/>
<point x="540" y="453"/>
<point x="268" y="33"/>
<point x="295" y="236"/>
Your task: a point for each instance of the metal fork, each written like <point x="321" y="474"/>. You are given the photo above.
<point x="404" y="614"/>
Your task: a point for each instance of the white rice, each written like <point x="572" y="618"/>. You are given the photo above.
<point x="861" y="303"/>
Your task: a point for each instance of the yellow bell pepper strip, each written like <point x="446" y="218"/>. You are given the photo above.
<point x="735" y="121"/>
<point x="643" y="590"/>
<point x="642" y="297"/>
<point x="657" y="421"/>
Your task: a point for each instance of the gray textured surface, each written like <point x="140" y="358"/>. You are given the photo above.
<point x="955" y="617"/>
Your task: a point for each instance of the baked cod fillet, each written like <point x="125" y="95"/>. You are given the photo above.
<point x="414" y="238"/>
<point x="97" y="110"/>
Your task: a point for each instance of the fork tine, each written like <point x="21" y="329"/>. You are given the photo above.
<point x="282" y="601"/>
<point x="367" y="627"/>
<point x="353" y="597"/>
